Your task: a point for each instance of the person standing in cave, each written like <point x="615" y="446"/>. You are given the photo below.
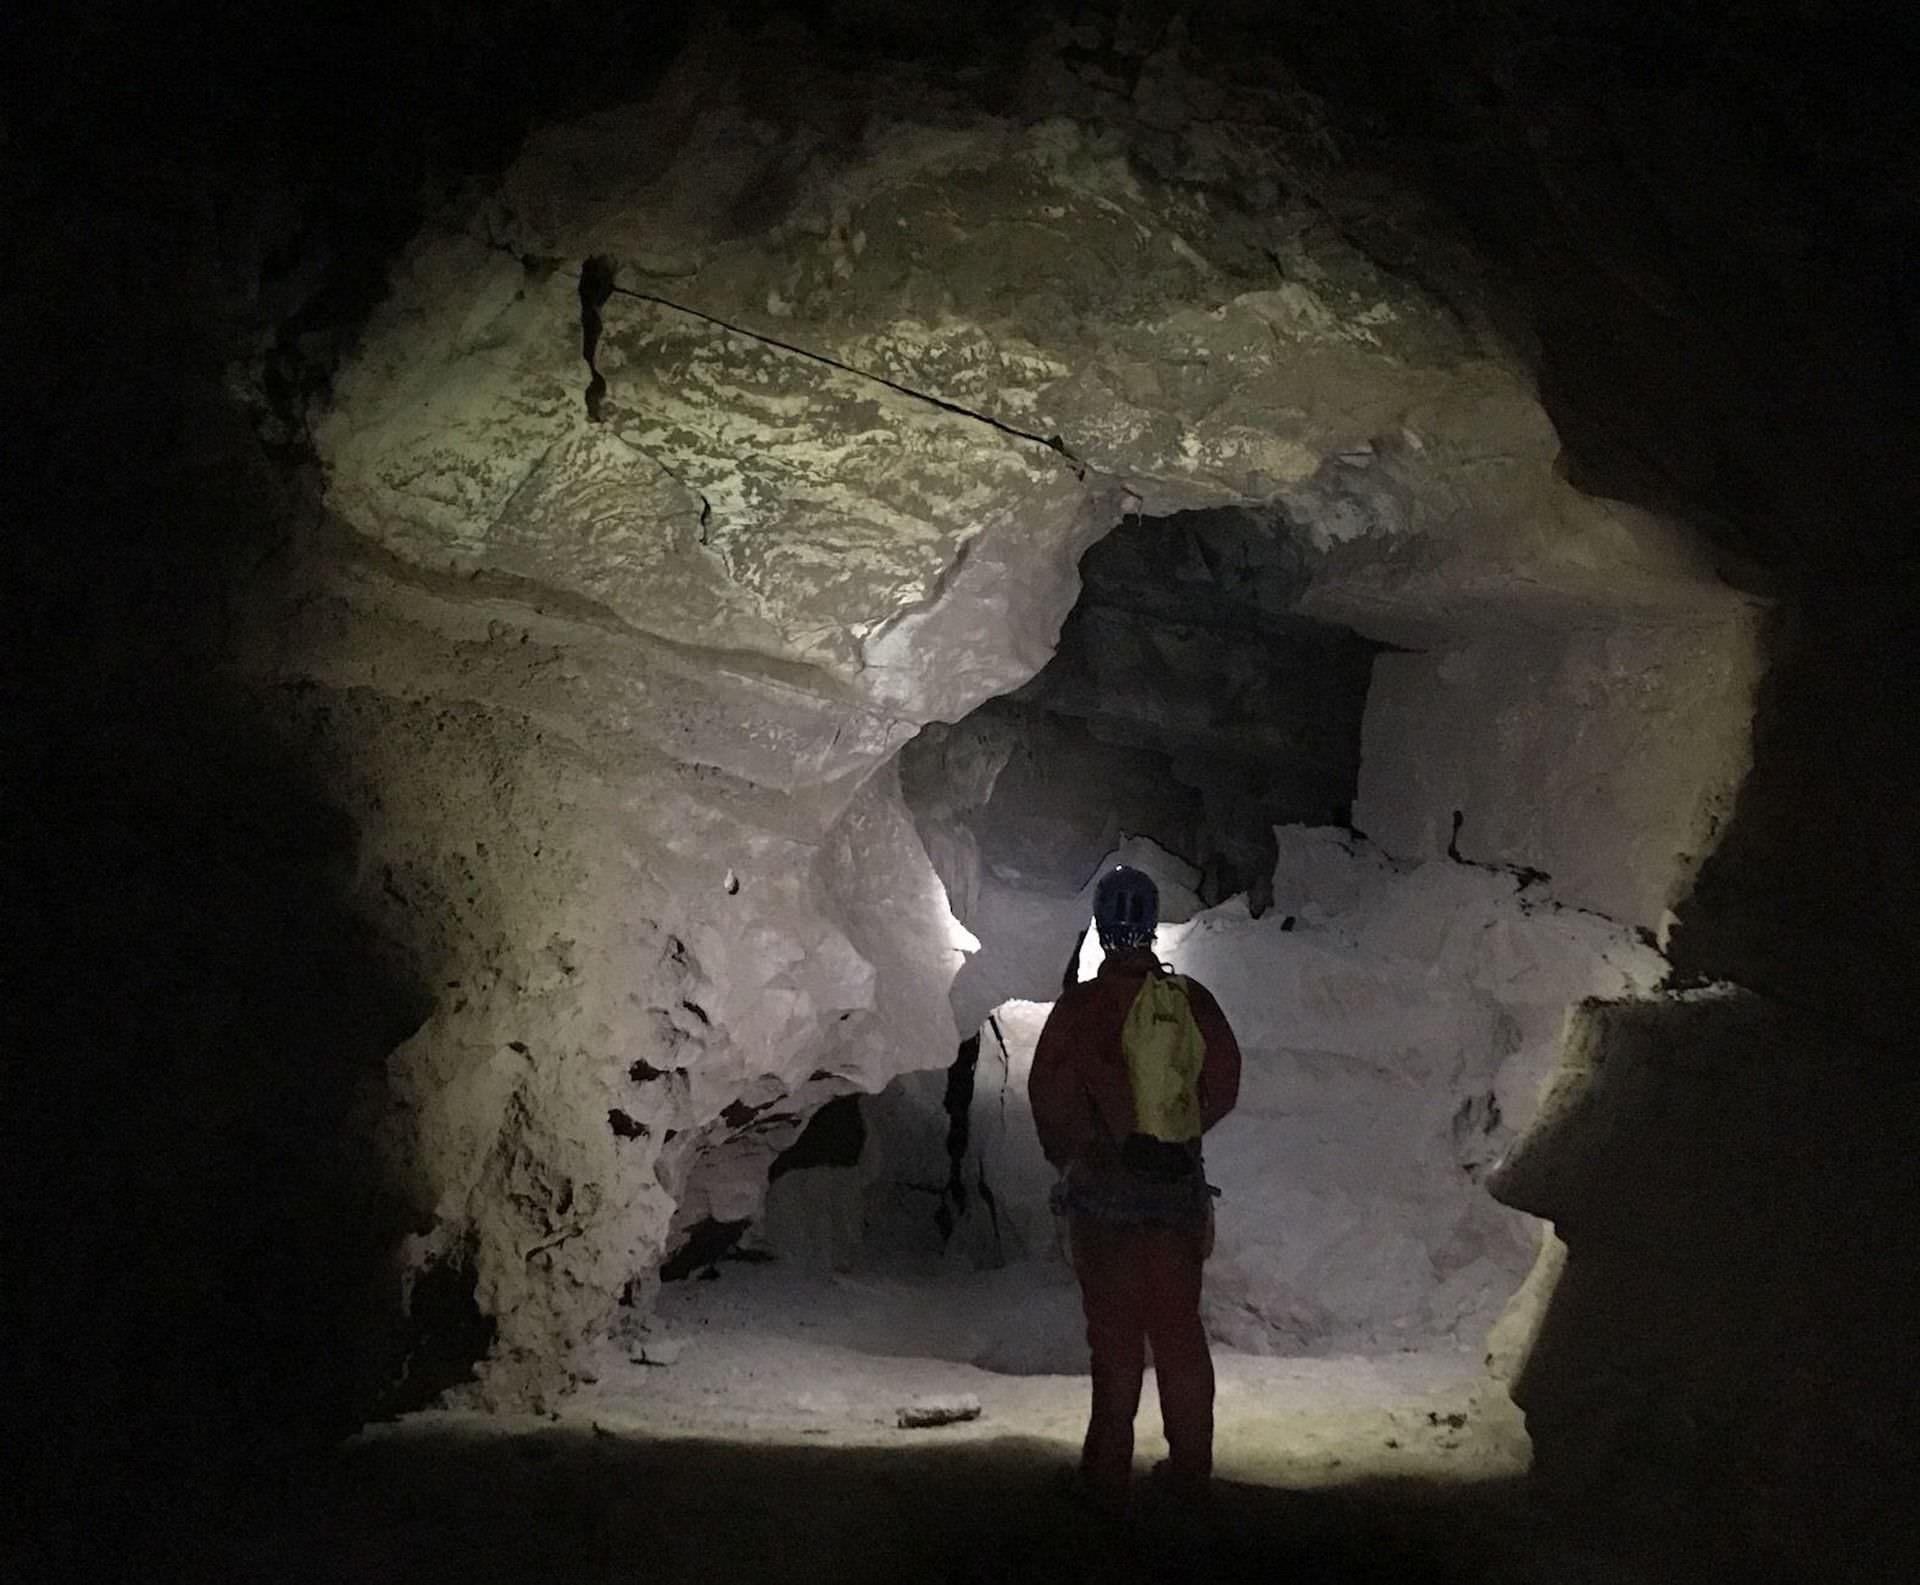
<point x="1132" y="1067"/>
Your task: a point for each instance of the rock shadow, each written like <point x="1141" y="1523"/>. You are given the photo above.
<point x="569" y="1504"/>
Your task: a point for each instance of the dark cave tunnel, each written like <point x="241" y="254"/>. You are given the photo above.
<point x="242" y="889"/>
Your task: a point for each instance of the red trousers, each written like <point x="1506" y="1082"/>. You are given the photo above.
<point x="1140" y="1282"/>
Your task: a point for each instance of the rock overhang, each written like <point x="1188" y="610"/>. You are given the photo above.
<point x="956" y="333"/>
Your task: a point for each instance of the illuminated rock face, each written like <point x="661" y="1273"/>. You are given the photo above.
<point x="613" y="660"/>
<point x="1397" y="1021"/>
<point x="1545" y="785"/>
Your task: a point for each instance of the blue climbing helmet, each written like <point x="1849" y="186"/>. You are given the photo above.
<point x="1126" y="908"/>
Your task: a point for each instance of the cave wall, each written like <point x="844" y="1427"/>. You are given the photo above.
<point x="1720" y="1358"/>
<point x="1709" y="250"/>
<point x="1695" y="226"/>
<point x="889" y="901"/>
<point x="1590" y="733"/>
<point x="1718" y="1364"/>
<point x="1605" y="753"/>
<point x="1806" y="899"/>
<point x="192" y="999"/>
<point x="727" y="439"/>
<point x="1187" y="644"/>
<point x="1398" y="1020"/>
<point x="644" y="970"/>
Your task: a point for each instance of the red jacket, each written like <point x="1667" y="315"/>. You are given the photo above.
<point x="1082" y="1102"/>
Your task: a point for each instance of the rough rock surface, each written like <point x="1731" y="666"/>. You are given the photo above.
<point x="1721" y="1214"/>
<point x="1606" y="755"/>
<point x="1399" y="1021"/>
<point x="868" y="362"/>
<point x="1717" y="326"/>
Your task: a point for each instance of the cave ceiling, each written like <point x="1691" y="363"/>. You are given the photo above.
<point x="841" y="367"/>
<point x="1693" y="222"/>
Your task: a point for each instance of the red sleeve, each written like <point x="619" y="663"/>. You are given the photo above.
<point x="1220" y="1074"/>
<point x="1062" y="1108"/>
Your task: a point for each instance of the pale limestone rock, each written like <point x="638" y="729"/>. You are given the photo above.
<point x="927" y="1412"/>
<point x="1398" y="1023"/>
<point x="609" y="698"/>
<point x="1605" y="755"/>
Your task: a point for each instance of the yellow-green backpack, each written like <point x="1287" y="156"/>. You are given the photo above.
<point x="1165" y="1051"/>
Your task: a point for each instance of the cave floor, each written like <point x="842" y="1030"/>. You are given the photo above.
<point x="768" y="1449"/>
<point x="819" y="1360"/>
